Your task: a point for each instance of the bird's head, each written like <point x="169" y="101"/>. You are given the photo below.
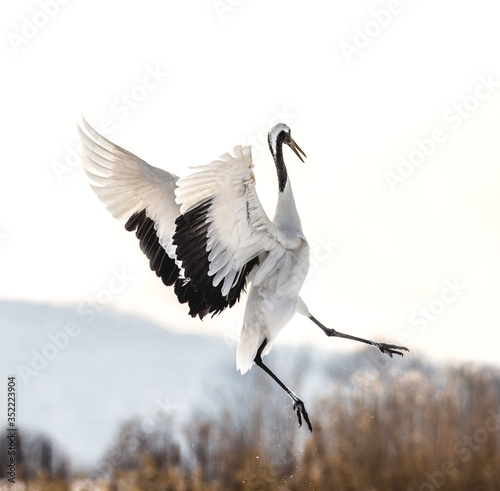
<point x="280" y="134"/>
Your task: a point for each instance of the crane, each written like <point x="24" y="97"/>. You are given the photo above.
<point x="207" y="235"/>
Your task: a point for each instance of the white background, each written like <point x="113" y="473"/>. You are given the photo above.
<point x="361" y="84"/>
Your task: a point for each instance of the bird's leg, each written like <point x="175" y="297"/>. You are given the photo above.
<point x="388" y="349"/>
<point x="298" y="405"/>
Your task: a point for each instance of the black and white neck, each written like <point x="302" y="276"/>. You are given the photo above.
<point x="278" y="135"/>
<point x="286" y="217"/>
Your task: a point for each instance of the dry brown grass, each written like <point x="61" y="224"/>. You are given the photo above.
<point x="419" y="429"/>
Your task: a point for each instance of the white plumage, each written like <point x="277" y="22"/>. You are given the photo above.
<point x="208" y="235"/>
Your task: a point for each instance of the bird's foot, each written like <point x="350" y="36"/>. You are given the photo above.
<point x="391" y="349"/>
<point x="299" y="407"/>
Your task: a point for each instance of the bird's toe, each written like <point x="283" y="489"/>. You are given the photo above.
<point x="391" y="349"/>
<point x="300" y="409"/>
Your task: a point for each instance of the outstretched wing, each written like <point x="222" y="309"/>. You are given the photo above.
<point x="223" y="232"/>
<point x="143" y="195"/>
<point x="133" y="190"/>
<point x="204" y="233"/>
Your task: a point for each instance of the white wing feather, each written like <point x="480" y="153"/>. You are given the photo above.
<point x="127" y="184"/>
<point x="239" y="229"/>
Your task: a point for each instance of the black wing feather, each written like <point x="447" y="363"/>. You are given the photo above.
<point x="191" y="241"/>
<point x="160" y="263"/>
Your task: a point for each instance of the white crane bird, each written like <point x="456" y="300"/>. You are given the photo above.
<point x="207" y="235"/>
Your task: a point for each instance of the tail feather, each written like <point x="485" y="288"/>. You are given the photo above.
<point x="248" y="345"/>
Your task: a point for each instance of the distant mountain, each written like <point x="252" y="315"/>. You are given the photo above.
<point x="80" y="374"/>
<point x="77" y="377"/>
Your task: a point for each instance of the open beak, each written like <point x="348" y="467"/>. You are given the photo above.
<point x="298" y="151"/>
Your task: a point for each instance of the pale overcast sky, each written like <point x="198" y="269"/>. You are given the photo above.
<point x="395" y="103"/>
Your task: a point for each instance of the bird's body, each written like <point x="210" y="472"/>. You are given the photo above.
<point x="208" y="236"/>
<point x="273" y="301"/>
<point x="271" y="305"/>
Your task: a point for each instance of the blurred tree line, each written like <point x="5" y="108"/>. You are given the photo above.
<point x="378" y="425"/>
